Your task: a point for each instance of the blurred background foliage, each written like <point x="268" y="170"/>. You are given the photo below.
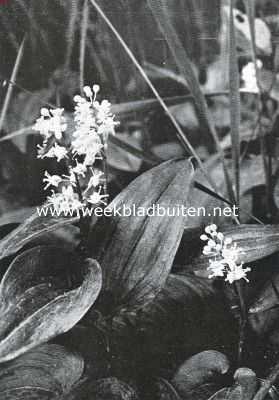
<point x="68" y="44"/>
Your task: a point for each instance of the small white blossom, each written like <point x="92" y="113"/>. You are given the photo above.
<point x="55" y="151"/>
<point x="95" y="179"/>
<point x="97" y="198"/>
<point x="226" y="256"/>
<point x="71" y="178"/>
<point x="51" y="123"/>
<point x="237" y="273"/>
<point x="88" y="91"/>
<point x="65" y="201"/>
<point x="80" y="169"/>
<point x="249" y="77"/>
<point x="51" y="180"/>
<point x="93" y="123"/>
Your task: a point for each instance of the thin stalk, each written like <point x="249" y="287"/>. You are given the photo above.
<point x="70" y="34"/>
<point x="250" y="8"/>
<point x="235" y="105"/>
<point x="83" y="36"/>
<point x="159" y="10"/>
<point x="84" y="224"/>
<point x="10" y="87"/>
<point x="243" y="322"/>
<point x="180" y="134"/>
<point x="267" y="383"/>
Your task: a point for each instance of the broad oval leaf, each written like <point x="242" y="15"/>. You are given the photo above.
<point x="137" y="252"/>
<point x="175" y="324"/>
<point x="42" y="374"/>
<point x="34" y="227"/>
<point x="44" y="293"/>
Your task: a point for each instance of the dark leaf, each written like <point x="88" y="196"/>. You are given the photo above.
<point x="34" y="227"/>
<point x="252" y="175"/>
<point x="121" y="159"/>
<point x="177" y="323"/>
<point x="264" y="311"/>
<point x="44" y="293"/>
<point x="41" y="374"/>
<point x="103" y="389"/>
<point x="164" y="390"/>
<point x="198" y="370"/>
<point x="137" y="252"/>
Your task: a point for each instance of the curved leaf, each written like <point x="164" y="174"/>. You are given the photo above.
<point x="44" y="373"/>
<point x="200" y="369"/>
<point x="177" y="323"/>
<point x="102" y="389"/>
<point x="34" y="227"/>
<point x="43" y="294"/>
<point x="137" y="252"/>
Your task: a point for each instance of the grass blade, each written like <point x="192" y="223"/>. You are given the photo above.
<point x="83" y="35"/>
<point x="161" y="15"/>
<point x="180" y="134"/>
<point x="70" y="34"/>
<point x="10" y="87"/>
<point x="234" y="104"/>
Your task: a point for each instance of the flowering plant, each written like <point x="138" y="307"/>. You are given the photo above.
<point x="93" y="124"/>
<point x="225" y="262"/>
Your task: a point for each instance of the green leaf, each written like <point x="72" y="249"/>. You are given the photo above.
<point x="44" y="293"/>
<point x="136" y="252"/>
<point x="34" y="227"/>
<point x="44" y="373"/>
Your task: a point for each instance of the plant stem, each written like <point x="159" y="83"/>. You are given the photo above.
<point x="243" y="322"/>
<point x="83" y="223"/>
<point x="267" y="384"/>
<point x="10" y="87"/>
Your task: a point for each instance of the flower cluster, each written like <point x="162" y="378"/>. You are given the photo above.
<point x="225" y="262"/>
<point x="249" y="77"/>
<point x="93" y="123"/>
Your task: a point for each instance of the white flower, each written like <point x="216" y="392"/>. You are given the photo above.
<point x="249" y="77"/>
<point x="80" y="169"/>
<point x="95" y="179"/>
<point x="97" y="198"/>
<point x="55" y="151"/>
<point x="45" y="112"/>
<point x="42" y="125"/>
<point x="226" y="256"/>
<point x="51" y="180"/>
<point x="96" y="89"/>
<point x="51" y="123"/>
<point x="57" y="123"/>
<point x="71" y="178"/>
<point x="217" y="268"/>
<point x="237" y="273"/>
<point x="88" y="91"/>
<point x="65" y="201"/>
